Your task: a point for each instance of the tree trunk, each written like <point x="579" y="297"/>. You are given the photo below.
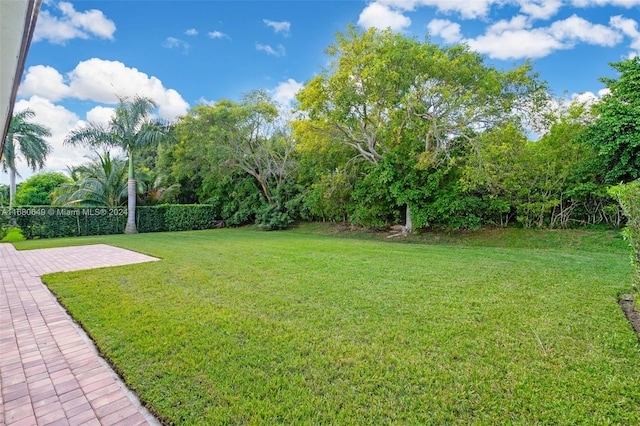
<point x="131" y="207"/>
<point x="12" y="186"/>
<point x="408" y="227"/>
<point x="131" y="200"/>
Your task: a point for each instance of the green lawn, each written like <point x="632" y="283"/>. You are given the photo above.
<point x="236" y="326"/>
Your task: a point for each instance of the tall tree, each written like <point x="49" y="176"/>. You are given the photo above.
<point x="234" y="139"/>
<point x="130" y="129"/>
<point x="27" y="140"/>
<point x="384" y="92"/>
<point x="616" y="132"/>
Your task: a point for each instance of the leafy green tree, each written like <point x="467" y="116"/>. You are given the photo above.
<point x="4" y="195"/>
<point x="236" y="139"/>
<point x="102" y="182"/>
<point x="616" y="131"/>
<point x="130" y="129"/>
<point x="37" y="190"/>
<point x="555" y="181"/>
<point x="385" y="93"/>
<point x="27" y="140"/>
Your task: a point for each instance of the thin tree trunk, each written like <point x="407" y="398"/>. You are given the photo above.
<point x="12" y="186"/>
<point x="131" y="200"/>
<point x="408" y="227"/>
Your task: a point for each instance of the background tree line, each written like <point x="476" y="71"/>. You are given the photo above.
<point x="393" y="131"/>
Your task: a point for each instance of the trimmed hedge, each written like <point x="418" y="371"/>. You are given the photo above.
<point x="53" y="222"/>
<point x="177" y="217"/>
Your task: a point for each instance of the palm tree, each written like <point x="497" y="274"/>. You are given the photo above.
<point x="130" y="129"/>
<point x="24" y="139"/>
<point x="103" y="182"/>
<point x="153" y="188"/>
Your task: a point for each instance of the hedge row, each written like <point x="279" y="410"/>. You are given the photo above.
<point x="177" y="217"/>
<point x="53" y="222"/>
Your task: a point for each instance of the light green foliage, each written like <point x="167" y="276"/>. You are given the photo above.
<point x="628" y="195"/>
<point x="229" y="139"/>
<point x="37" y="190"/>
<point x="556" y="181"/>
<point x="616" y="132"/>
<point x="235" y="326"/>
<point x="386" y="95"/>
<point x="330" y="197"/>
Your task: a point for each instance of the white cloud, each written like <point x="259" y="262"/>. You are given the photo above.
<point x="515" y="39"/>
<point x="100" y="114"/>
<point x="279" y="27"/>
<point x="380" y="15"/>
<point x="584" y="98"/>
<point x="575" y="28"/>
<point x="466" y="9"/>
<point x="285" y="92"/>
<point x="518" y="22"/>
<point x="449" y="31"/>
<point x="590" y="3"/>
<point x="191" y="32"/>
<point x="45" y="81"/>
<point x="540" y="9"/>
<point x="103" y="81"/>
<point x="629" y="27"/>
<point x="72" y="24"/>
<point x="176" y="43"/>
<point x="277" y="52"/>
<point x="514" y="44"/>
<point x="218" y="34"/>
<point x="604" y="92"/>
<point x="203" y="101"/>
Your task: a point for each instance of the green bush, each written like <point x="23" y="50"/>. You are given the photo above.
<point x="628" y="195"/>
<point x="151" y="218"/>
<point x="54" y="222"/>
<point x="181" y="217"/>
<point x="37" y="189"/>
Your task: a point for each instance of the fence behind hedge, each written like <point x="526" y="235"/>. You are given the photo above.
<point x="52" y="222"/>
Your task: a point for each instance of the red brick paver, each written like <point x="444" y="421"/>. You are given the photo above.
<point x="50" y="372"/>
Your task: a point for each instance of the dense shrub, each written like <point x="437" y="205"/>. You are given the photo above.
<point x="180" y="217"/>
<point x="36" y="190"/>
<point x="628" y="196"/>
<point x="53" y="222"/>
<point x="151" y="218"/>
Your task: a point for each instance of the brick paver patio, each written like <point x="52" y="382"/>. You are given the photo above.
<point x="50" y="372"/>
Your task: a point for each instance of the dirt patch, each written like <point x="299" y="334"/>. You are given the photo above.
<point x="628" y="306"/>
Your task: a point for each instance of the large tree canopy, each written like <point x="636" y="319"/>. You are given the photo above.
<point x="616" y="132"/>
<point x="384" y="92"/>
<point x="220" y="146"/>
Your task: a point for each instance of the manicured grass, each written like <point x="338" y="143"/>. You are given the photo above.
<point x="13" y="235"/>
<point x="298" y="327"/>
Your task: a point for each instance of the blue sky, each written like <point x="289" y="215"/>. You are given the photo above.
<point x="180" y="53"/>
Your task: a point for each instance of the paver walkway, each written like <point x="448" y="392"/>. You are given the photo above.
<point x="50" y="372"/>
